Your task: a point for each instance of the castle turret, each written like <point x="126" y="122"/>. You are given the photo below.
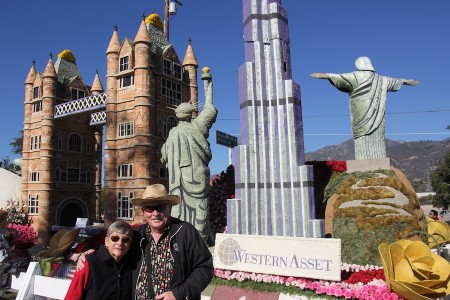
<point x="144" y="108"/>
<point x="29" y="97"/>
<point x="190" y="65"/>
<point x="112" y="68"/>
<point x="45" y="159"/>
<point x="97" y="86"/>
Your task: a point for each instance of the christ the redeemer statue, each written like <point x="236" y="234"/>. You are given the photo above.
<point x="367" y="92"/>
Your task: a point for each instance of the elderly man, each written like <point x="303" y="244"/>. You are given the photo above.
<point x="173" y="259"/>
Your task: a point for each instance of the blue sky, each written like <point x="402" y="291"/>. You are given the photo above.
<point x="404" y="39"/>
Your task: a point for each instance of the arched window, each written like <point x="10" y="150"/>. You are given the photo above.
<point x="74" y="142"/>
<point x="171" y="123"/>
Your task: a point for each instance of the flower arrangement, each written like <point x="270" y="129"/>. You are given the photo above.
<point x="17" y="213"/>
<point x="337" y="166"/>
<point x="363" y="282"/>
<point x="222" y="188"/>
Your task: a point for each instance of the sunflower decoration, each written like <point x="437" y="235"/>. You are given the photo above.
<point x="413" y="271"/>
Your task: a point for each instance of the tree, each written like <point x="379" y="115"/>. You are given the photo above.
<point x="17" y="144"/>
<point x="6" y="163"/>
<point x="440" y="181"/>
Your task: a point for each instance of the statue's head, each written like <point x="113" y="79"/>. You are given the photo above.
<point x="363" y="63"/>
<point x="184" y="111"/>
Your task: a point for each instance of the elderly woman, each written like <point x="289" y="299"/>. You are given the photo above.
<point x="107" y="272"/>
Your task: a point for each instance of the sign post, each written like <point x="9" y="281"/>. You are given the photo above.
<point x="227" y="140"/>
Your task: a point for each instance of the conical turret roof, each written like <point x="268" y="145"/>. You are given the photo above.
<point x="142" y="36"/>
<point x="97" y="84"/>
<point x="32" y="74"/>
<point x="114" y="43"/>
<point x="50" y="68"/>
<point x="189" y="57"/>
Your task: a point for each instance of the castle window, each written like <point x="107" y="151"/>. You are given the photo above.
<point x="177" y="71"/>
<point x="57" y="175"/>
<point x="124" y="171"/>
<point x="74" y="143"/>
<point x="171" y="91"/>
<point x="88" y="147"/>
<point x="35" y="142"/>
<point x="88" y="177"/>
<point x="124" y="207"/>
<point x="77" y="94"/>
<point x="33" y="204"/>
<point x="171" y="123"/>
<point x="73" y="175"/>
<point x="35" y="92"/>
<point x="125" y="129"/>
<point x="167" y="67"/>
<point x="34" y="176"/>
<point x="37" y="106"/>
<point x="163" y="172"/>
<point x="124" y="65"/>
<point x="126" y="81"/>
<point x="60" y="146"/>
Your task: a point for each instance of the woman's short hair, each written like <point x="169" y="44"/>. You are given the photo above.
<point x="121" y="227"/>
<point x="3" y="215"/>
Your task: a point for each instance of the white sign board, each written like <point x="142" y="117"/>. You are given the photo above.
<point x="317" y="258"/>
<point x="81" y="222"/>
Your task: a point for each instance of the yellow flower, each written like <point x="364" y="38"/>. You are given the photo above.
<point x="413" y="271"/>
<point x="155" y="20"/>
<point x="440" y="230"/>
<point x="67" y="55"/>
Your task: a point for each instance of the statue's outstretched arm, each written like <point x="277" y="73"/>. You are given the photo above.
<point x="320" y="75"/>
<point x="410" y="82"/>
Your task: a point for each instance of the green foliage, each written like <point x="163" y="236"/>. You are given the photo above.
<point x="440" y="181"/>
<point x="361" y="246"/>
<point x="17" y="144"/>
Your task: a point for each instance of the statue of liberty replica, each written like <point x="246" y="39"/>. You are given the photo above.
<point x="187" y="154"/>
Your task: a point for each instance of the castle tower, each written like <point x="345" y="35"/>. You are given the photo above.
<point x="61" y="156"/>
<point x="274" y="188"/>
<point x="190" y="65"/>
<point x="145" y="82"/>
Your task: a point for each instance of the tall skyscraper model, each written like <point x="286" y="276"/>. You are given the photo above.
<point x="274" y="189"/>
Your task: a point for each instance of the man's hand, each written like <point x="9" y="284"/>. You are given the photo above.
<point x="166" y="296"/>
<point x="82" y="259"/>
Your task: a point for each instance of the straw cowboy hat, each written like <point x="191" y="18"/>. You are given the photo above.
<point x="155" y="194"/>
<point x="59" y="247"/>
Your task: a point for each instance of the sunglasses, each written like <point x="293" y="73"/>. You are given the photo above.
<point x="116" y="238"/>
<point x="159" y="208"/>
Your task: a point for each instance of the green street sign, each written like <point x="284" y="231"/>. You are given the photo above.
<point x="226" y="139"/>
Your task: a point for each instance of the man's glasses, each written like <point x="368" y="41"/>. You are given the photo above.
<point x="159" y="208"/>
<point x="116" y="238"/>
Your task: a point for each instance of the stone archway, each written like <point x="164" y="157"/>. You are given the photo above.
<point x="69" y="211"/>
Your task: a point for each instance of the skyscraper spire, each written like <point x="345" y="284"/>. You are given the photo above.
<point x="274" y="190"/>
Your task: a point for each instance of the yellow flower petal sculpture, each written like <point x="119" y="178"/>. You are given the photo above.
<point x="413" y="271"/>
<point x="440" y="230"/>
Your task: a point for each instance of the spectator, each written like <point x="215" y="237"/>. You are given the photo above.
<point x="433" y="214"/>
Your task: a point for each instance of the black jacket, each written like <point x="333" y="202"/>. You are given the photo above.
<point x="108" y="280"/>
<point x="193" y="265"/>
